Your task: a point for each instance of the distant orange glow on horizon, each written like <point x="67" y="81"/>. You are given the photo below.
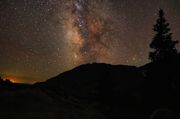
<point x="12" y="79"/>
<point x="16" y="79"/>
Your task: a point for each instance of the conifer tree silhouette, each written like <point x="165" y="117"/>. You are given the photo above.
<point x="163" y="45"/>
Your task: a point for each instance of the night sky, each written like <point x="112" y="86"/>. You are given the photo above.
<point x="41" y="38"/>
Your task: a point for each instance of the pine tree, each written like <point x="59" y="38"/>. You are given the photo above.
<point x="163" y="45"/>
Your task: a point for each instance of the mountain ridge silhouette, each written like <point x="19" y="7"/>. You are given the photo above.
<point x="101" y="91"/>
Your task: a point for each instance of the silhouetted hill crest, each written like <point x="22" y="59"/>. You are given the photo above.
<point x="116" y="91"/>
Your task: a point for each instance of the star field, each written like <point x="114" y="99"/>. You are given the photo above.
<point x="42" y="38"/>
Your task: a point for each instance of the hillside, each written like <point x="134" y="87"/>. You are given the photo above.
<point x="100" y="91"/>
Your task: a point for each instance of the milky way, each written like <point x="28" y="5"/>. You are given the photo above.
<point x="41" y="38"/>
<point x="87" y="32"/>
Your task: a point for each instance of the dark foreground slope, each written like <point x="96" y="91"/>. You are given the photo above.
<point x="100" y="91"/>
